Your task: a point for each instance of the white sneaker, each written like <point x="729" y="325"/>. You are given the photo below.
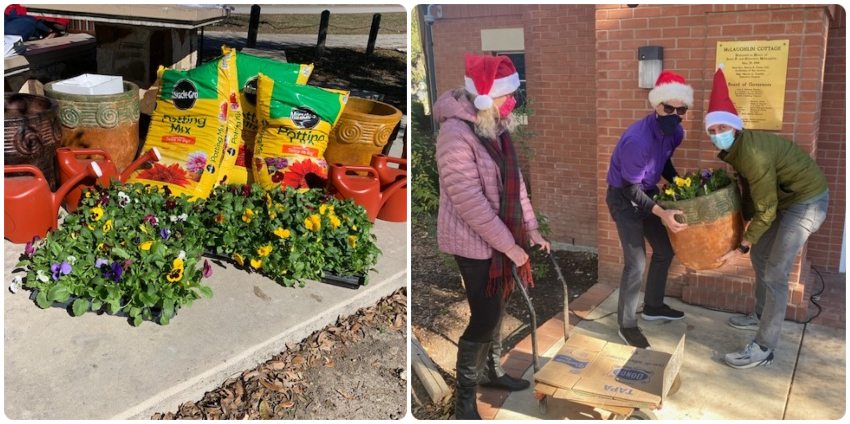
<point x="751" y="356"/>
<point x="745" y="322"/>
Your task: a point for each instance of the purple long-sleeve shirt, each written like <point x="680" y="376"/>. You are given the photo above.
<point x="641" y="154"/>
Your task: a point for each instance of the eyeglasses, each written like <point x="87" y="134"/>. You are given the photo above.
<point x="679" y="110"/>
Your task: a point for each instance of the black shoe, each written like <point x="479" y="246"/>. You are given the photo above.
<point x="470" y="361"/>
<point x="663" y="312"/>
<point x="495" y="375"/>
<point x="633" y="337"/>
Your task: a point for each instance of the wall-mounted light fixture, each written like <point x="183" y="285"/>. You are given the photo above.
<point x="650" y="64"/>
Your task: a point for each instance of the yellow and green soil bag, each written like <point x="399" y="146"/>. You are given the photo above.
<point x="295" y="121"/>
<point x="195" y="126"/>
<point x="247" y="68"/>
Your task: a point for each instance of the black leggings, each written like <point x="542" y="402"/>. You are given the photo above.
<point x="486" y="311"/>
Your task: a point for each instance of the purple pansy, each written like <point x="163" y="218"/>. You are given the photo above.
<point x="115" y="272"/>
<point x="165" y="233"/>
<point x="706" y="174"/>
<point x="100" y="262"/>
<point x="207" y="272"/>
<point x="59" y="270"/>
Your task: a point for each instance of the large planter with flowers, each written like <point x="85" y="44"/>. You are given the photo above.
<point x="711" y="206"/>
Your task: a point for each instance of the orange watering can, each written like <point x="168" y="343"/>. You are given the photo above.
<point x="365" y="190"/>
<point x="31" y="208"/>
<point x="395" y="207"/>
<point x="71" y="164"/>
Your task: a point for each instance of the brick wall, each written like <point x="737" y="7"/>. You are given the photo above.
<point x="459" y="31"/>
<point x="559" y="57"/>
<point x="689" y="35"/>
<point x="825" y="245"/>
<point x="561" y="83"/>
<point x="580" y="54"/>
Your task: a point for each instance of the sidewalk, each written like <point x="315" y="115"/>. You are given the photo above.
<point x="100" y="367"/>
<point x="805" y="381"/>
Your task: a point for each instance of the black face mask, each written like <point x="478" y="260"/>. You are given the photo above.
<point x="669" y="123"/>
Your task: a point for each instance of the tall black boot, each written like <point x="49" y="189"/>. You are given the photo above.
<point x="495" y="375"/>
<point x="470" y="361"/>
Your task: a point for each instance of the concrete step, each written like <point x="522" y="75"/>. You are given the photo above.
<point x="100" y="367"/>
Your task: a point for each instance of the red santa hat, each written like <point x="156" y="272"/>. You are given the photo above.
<point x="488" y="77"/>
<point x="721" y="110"/>
<point x="669" y="86"/>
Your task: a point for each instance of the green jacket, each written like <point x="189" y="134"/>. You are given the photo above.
<point x="775" y="174"/>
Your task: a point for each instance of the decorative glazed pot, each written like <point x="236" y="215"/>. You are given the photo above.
<point x="109" y="122"/>
<point x="715" y="227"/>
<point x="31" y="133"/>
<point x="363" y="130"/>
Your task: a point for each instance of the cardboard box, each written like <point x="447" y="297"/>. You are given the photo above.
<point x="91" y="84"/>
<point x="593" y="371"/>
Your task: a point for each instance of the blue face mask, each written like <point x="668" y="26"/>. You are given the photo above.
<point x="723" y="141"/>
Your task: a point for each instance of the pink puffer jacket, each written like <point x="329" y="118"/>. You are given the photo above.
<point x="468" y="223"/>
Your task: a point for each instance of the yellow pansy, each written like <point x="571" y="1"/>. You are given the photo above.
<point x="680" y="182"/>
<point x="313" y="222"/>
<point x="280" y="232"/>
<point x="264" y="251"/>
<point x="335" y="222"/>
<point x="256" y="263"/>
<point x="247" y="215"/>
<point x="688" y="182"/>
<point x="144" y="228"/>
<point x="90" y="226"/>
<point x="88" y="194"/>
<point x="175" y="275"/>
<point x="352" y="241"/>
<point x="239" y="259"/>
<point x="96" y="213"/>
<point x="670" y="192"/>
<point x="145" y="245"/>
<point x="107" y="227"/>
<point x="100" y="246"/>
<point x="354" y="227"/>
<point x="323" y="208"/>
<point x="177" y="263"/>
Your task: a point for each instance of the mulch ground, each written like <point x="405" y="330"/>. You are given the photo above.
<point x="440" y="312"/>
<point x="355" y="368"/>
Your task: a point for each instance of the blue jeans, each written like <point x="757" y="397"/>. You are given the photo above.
<point x="772" y="258"/>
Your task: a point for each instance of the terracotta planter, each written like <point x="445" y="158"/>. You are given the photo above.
<point x="31" y="133"/>
<point x="363" y="130"/>
<point x="107" y="122"/>
<point x="715" y="226"/>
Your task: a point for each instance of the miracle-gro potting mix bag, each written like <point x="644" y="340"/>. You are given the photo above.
<point x="195" y="126"/>
<point x="295" y="121"/>
<point x="247" y="68"/>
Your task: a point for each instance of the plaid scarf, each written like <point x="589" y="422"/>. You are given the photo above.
<point x="510" y="212"/>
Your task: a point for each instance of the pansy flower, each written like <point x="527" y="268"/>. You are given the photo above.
<point x="59" y="270"/>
